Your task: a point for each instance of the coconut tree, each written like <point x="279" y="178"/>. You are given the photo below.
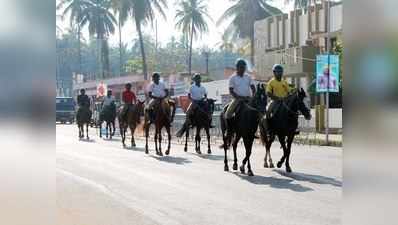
<point x="243" y="15"/>
<point x="101" y="23"/>
<point x="74" y="8"/>
<point x="191" y="20"/>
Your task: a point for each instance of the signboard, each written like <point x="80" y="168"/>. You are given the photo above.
<point x="327" y="69"/>
<point x="101" y="89"/>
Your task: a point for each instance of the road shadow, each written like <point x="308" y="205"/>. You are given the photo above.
<point x="316" y="179"/>
<point x="273" y="182"/>
<point x="88" y="141"/>
<point x="141" y="149"/>
<point x="111" y="140"/>
<point x="207" y="156"/>
<point x="172" y="159"/>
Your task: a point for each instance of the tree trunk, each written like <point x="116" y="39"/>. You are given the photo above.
<point x="120" y="48"/>
<point x="190" y="52"/>
<point x="79" y="49"/>
<point x="252" y="42"/>
<point x="144" y="66"/>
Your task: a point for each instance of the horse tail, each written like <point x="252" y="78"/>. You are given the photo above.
<point x="263" y="131"/>
<point x="182" y="131"/>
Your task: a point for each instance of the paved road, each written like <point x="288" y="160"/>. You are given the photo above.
<point x="100" y="183"/>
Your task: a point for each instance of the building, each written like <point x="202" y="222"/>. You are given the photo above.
<point x="294" y="40"/>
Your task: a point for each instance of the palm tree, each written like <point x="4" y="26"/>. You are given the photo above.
<point x="191" y="19"/>
<point x="302" y="4"/>
<point x="243" y="14"/>
<point x="119" y="7"/>
<point x="101" y="23"/>
<point x="75" y="10"/>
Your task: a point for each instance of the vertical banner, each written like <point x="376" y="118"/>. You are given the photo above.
<point x="327" y="68"/>
<point x="101" y="89"/>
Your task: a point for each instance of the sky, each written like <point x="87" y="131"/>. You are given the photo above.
<point x="166" y="28"/>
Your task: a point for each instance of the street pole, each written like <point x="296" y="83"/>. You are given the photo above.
<point x="327" y="89"/>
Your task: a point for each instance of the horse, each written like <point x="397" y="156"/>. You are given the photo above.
<point x="200" y="119"/>
<point x="83" y="116"/>
<point x="161" y="120"/>
<point x="133" y="119"/>
<point x="245" y="125"/>
<point x="108" y="114"/>
<point x="283" y="125"/>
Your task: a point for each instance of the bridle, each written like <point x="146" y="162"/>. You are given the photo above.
<point x="289" y="109"/>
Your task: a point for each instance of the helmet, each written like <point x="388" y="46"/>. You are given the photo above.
<point x="196" y="76"/>
<point x="277" y="67"/>
<point x="128" y="85"/>
<point x="156" y="74"/>
<point x="241" y="62"/>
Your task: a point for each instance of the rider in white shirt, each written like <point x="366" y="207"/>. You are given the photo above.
<point x="109" y="99"/>
<point x="157" y="91"/>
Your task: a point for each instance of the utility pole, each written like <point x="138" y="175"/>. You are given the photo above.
<point x="328" y="49"/>
<point x="156" y="42"/>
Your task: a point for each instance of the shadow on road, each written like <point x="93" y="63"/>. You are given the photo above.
<point x="207" y="156"/>
<point x="111" y="140"/>
<point x="172" y="159"/>
<point x="316" y="179"/>
<point x="274" y="182"/>
<point x="141" y="149"/>
<point x="85" y="140"/>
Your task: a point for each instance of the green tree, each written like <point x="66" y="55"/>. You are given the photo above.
<point x="75" y="10"/>
<point x="243" y="14"/>
<point x="101" y="23"/>
<point x="191" y="19"/>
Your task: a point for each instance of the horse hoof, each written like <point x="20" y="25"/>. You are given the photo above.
<point x="271" y="165"/>
<point x="266" y="165"/>
<point x="235" y="167"/>
<point x="146" y="151"/>
<point x="279" y="164"/>
<point x="250" y="173"/>
<point x="133" y="145"/>
<point x="226" y="168"/>
<point x="242" y="169"/>
<point x="288" y="169"/>
<point x="185" y="149"/>
<point x="209" y="151"/>
<point x="167" y="152"/>
<point x="199" y="152"/>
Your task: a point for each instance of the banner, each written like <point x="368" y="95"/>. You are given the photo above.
<point x="101" y="89"/>
<point x="327" y="68"/>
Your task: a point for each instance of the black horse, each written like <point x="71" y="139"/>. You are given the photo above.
<point x="199" y="119"/>
<point x="245" y="125"/>
<point x="108" y="114"/>
<point x="283" y="125"/>
<point x="83" y="116"/>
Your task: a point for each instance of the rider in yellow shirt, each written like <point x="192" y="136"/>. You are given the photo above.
<point x="277" y="89"/>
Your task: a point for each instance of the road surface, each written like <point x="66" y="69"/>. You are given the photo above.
<point x="100" y="183"/>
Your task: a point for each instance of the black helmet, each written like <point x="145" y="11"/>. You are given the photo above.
<point x="82" y="90"/>
<point x="196" y="76"/>
<point x="241" y="62"/>
<point x="128" y="86"/>
<point x="156" y="74"/>
<point x="277" y="67"/>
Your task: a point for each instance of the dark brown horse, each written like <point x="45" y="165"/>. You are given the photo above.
<point x="83" y="116"/>
<point x="162" y="119"/>
<point x="108" y="115"/>
<point x="131" y="121"/>
<point x="245" y="125"/>
<point x="200" y="119"/>
<point x="283" y="125"/>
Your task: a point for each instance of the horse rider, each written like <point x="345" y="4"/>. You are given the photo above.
<point x="198" y="96"/>
<point x="277" y="90"/>
<point x="157" y="92"/>
<point x="108" y="100"/>
<point x="241" y="87"/>
<point x="128" y="98"/>
<point x="83" y="100"/>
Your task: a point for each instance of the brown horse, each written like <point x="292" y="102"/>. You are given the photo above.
<point x="132" y="120"/>
<point x="162" y="119"/>
<point x="108" y="114"/>
<point x="83" y="116"/>
<point x="283" y="125"/>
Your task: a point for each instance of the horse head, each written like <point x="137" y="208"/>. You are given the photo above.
<point x="302" y="107"/>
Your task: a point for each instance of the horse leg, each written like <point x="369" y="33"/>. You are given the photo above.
<point x="234" y="147"/>
<point x="268" y="143"/>
<point x="248" y="141"/>
<point x="186" y="139"/>
<point x="160" y="141"/>
<point x="106" y="131"/>
<point x="146" y="136"/>
<point x="169" y="140"/>
<point x="156" y="139"/>
<point x="283" y="144"/>
<point x="208" y="140"/>
<point x="288" y="150"/>
<point x="225" y="156"/>
<point x="113" y="126"/>
<point x="132" y="130"/>
<point x="80" y="131"/>
<point x="197" y="140"/>
<point x="87" y="131"/>
<point x="100" y="129"/>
